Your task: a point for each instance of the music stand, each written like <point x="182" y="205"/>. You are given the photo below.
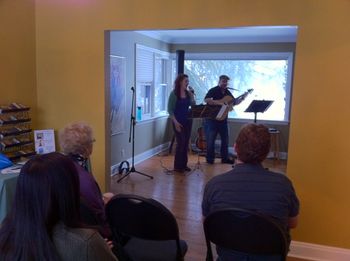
<point x="204" y="111"/>
<point x="200" y="147"/>
<point x="258" y="106"/>
<point x="199" y="111"/>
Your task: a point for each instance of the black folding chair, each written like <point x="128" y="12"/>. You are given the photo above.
<point x="143" y="229"/>
<point x="244" y="231"/>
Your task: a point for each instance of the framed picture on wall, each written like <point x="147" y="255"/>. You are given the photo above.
<point x="117" y="94"/>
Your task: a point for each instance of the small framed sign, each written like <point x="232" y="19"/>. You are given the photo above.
<point x="44" y="141"/>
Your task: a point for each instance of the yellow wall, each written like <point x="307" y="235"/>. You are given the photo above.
<point x="70" y="69"/>
<point x="17" y="53"/>
<point x="319" y="141"/>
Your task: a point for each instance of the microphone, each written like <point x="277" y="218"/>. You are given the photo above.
<point x="132" y="88"/>
<point x="190" y="89"/>
<point x="230" y="88"/>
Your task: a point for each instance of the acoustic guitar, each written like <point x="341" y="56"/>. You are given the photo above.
<point x="201" y="142"/>
<point x="227" y="104"/>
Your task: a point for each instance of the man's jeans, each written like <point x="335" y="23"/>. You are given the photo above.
<point x="212" y="129"/>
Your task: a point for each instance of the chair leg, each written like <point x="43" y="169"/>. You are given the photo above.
<point x="209" y="252"/>
<point x="209" y="257"/>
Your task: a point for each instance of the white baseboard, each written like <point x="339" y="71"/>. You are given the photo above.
<point x="316" y="252"/>
<point x="143" y="156"/>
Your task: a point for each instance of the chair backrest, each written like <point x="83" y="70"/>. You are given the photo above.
<point x="244" y="231"/>
<point x="136" y="216"/>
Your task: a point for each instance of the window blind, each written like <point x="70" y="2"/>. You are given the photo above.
<point x="144" y="65"/>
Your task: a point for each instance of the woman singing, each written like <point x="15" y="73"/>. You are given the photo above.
<point x="179" y="102"/>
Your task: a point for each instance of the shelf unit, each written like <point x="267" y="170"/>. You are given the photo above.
<point x="16" y="138"/>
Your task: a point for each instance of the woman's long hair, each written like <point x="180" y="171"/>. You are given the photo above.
<point x="177" y="84"/>
<point x="47" y="192"/>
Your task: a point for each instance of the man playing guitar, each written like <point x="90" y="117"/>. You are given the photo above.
<point x="213" y="126"/>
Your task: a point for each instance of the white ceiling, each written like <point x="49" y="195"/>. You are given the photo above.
<point x="252" y="34"/>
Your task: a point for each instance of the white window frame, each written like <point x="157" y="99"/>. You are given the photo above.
<point x="255" y="56"/>
<point x="156" y="54"/>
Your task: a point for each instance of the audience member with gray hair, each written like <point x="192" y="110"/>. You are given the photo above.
<point x="76" y="140"/>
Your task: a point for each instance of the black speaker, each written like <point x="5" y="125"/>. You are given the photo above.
<point x="124" y="169"/>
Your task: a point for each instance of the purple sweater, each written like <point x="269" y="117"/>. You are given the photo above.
<point x="90" y="194"/>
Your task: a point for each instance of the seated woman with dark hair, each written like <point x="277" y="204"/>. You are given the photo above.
<point x="76" y="141"/>
<point x="44" y="222"/>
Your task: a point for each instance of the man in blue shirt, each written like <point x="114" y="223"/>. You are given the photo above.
<point x="250" y="186"/>
<point x="213" y="127"/>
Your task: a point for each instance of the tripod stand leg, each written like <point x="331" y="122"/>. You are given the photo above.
<point x="198" y="163"/>
<point x="127" y="174"/>
<point x="141" y="173"/>
<point x="133" y="170"/>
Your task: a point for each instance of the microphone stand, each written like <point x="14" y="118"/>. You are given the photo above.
<point x="132" y="131"/>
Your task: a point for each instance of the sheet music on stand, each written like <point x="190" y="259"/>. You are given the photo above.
<point x="258" y="106"/>
<point x="204" y="111"/>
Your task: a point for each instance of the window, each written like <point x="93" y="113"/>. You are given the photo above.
<point x="152" y="69"/>
<point x="269" y="75"/>
<point x="160" y="90"/>
<point x="145" y="98"/>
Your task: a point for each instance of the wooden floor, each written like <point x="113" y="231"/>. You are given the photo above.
<point x="180" y="193"/>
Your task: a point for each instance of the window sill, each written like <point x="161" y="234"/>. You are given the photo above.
<point x="146" y="121"/>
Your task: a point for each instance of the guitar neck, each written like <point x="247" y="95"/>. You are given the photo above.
<point x="233" y="101"/>
<point x="242" y="96"/>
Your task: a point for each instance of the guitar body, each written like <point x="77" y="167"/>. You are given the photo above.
<point x="226" y="107"/>
<point x="227" y="104"/>
<point x="226" y="100"/>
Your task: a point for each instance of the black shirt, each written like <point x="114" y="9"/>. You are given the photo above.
<point x="217" y="94"/>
